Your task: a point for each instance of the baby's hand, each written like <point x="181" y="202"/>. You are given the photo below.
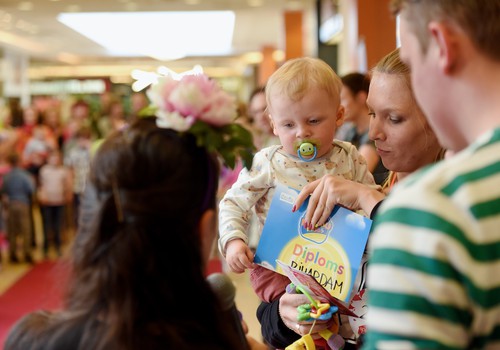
<point x="239" y="257"/>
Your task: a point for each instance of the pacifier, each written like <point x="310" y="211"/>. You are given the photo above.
<point x="307" y="149"/>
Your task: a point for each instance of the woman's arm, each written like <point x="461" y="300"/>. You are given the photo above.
<point x="274" y="330"/>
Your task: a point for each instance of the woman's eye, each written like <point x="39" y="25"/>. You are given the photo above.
<point x="395" y="120"/>
<point x="371" y="114"/>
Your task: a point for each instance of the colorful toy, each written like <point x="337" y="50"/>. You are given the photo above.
<point x="307" y="149"/>
<point x="316" y="310"/>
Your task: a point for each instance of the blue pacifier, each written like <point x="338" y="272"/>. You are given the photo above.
<point x="307" y="149"/>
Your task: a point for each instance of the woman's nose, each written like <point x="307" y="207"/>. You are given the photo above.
<point x="375" y="131"/>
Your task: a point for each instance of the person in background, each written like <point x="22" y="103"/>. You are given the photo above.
<point x="37" y="149"/>
<point x="79" y="117"/>
<point x="353" y="97"/>
<point x="433" y="277"/>
<point x="262" y="125"/>
<point x="77" y="159"/>
<point x="17" y="191"/>
<point x="51" y="118"/>
<point x="55" y="191"/>
<point x="399" y="128"/>
<point x="31" y="118"/>
<point x="138" y="101"/>
<point x="139" y="259"/>
<point x="114" y="120"/>
<point x="5" y="167"/>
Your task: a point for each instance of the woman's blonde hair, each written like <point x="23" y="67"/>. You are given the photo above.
<point x="297" y="76"/>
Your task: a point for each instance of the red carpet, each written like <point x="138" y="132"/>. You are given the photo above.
<point x="40" y="288"/>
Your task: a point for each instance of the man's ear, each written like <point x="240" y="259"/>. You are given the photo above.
<point x="444" y="37"/>
<point x="207" y="229"/>
<point x="340" y="115"/>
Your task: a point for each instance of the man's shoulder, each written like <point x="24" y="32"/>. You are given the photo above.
<point x="451" y="188"/>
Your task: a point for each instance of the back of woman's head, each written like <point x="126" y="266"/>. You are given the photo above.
<point x="141" y="238"/>
<point x="27" y="332"/>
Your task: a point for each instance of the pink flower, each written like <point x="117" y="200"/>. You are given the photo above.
<point x="182" y="102"/>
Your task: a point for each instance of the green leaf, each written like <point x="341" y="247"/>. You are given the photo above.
<point x="247" y="157"/>
<point x="147" y="111"/>
<point x="230" y="142"/>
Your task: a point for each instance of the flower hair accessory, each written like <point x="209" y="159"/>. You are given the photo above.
<point x="196" y="104"/>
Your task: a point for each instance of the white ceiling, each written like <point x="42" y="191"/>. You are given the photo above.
<point x="53" y="47"/>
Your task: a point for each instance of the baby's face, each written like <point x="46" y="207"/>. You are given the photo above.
<point x="314" y="119"/>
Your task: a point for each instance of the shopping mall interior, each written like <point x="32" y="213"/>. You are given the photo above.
<point x="56" y="53"/>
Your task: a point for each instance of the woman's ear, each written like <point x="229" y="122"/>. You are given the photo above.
<point x="207" y="229"/>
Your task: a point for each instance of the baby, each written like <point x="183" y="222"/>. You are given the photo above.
<point x="303" y="98"/>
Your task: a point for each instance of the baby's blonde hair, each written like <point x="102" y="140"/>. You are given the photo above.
<point x="299" y="75"/>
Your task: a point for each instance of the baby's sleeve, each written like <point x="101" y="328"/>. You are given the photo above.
<point x="235" y="207"/>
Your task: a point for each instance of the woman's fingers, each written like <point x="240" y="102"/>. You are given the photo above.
<point x="315" y="205"/>
<point x="304" y="194"/>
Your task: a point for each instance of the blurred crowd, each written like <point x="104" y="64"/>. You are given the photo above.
<point x="45" y="152"/>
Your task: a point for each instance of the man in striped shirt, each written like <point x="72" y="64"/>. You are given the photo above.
<point x="434" y="273"/>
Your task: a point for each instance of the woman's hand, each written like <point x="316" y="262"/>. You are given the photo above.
<point x="288" y="312"/>
<point x="330" y="190"/>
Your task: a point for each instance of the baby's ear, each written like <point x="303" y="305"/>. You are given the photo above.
<point x="272" y="125"/>
<point x="340" y="115"/>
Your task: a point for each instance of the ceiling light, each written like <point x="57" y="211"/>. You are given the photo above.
<point x="162" y="35"/>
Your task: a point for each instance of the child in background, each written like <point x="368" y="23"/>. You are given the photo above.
<point x="303" y="98"/>
<point x="77" y="159"/>
<point x="4" y="169"/>
<point x="54" y="192"/>
<point x="37" y="149"/>
<point x="17" y="191"/>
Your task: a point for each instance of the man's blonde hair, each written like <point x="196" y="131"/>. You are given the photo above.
<point x="299" y="75"/>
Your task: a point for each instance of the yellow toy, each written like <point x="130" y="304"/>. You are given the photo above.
<point x="312" y="312"/>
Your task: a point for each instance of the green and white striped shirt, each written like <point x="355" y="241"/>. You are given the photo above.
<point x="434" y="272"/>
